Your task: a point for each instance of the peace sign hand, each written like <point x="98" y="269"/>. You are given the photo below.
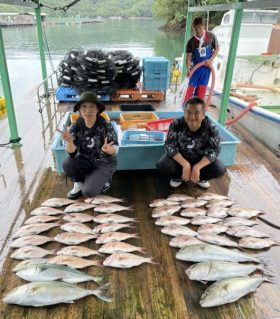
<point x="65" y="135"/>
<point x="107" y="147"/>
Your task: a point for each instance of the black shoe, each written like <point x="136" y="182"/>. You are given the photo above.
<point x="106" y="186"/>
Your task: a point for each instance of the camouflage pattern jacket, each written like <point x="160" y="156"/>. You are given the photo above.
<point x="89" y="141"/>
<point x="193" y="145"/>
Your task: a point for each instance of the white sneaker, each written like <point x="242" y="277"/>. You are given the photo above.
<point x="76" y="191"/>
<point x="203" y="184"/>
<point x="175" y="182"/>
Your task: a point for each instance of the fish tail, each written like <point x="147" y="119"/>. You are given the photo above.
<point x="151" y="260"/>
<point x="135" y="235"/>
<point x="130" y="226"/>
<point x="99" y="293"/>
<point x="142" y="250"/>
<point x="97" y="263"/>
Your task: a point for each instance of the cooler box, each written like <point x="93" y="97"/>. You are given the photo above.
<point x="136" y="119"/>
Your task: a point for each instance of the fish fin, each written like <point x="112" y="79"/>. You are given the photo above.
<point x="71" y="301"/>
<point x="203" y="281"/>
<point x="98" y="263"/>
<point x="99" y="293"/>
<point x="151" y="261"/>
<point x="142" y="250"/>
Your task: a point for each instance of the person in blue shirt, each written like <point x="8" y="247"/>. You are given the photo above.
<point x="202" y="46"/>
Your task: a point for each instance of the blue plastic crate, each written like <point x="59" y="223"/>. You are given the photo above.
<point x="66" y="94"/>
<point x="155" y="66"/>
<point x="134" y="137"/>
<point x="156" y="83"/>
<point x="69" y="94"/>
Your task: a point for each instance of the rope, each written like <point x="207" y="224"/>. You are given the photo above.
<point x="64" y="8"/>
<point x="48" y="49"/>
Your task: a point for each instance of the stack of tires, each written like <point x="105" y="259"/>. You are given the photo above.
<point x="98" y="71"/>
<point x="128" y="69"/>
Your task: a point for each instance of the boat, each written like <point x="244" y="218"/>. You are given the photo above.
<point x="28" y="176"/>
<point x="256" y="77"/>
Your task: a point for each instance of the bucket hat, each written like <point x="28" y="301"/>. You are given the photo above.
<point x="89" y="97"/>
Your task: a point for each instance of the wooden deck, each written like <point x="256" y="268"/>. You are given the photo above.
<point x="159" y="291"/>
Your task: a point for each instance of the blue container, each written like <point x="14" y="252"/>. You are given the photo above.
<point x="144" y="156"/>
<point x="155" y="66"/>
<point x="66" y="94"/>
<point x="134" y="137"/>
<point x="156" y="83"/>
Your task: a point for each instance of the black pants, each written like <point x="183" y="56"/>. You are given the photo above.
<point x="93" y="176"/>
<point x="170" y="168"/>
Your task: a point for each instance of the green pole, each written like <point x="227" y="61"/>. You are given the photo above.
<point x="187" y="36"/>
<point x="8" y="93"/>
<point x="231" y="59"/>
<point x="41" y="46"/>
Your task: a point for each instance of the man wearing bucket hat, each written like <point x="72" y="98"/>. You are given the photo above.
<point x="91" y="144"/>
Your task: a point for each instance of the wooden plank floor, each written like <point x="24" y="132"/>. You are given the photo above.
<point x="163" y="291"/>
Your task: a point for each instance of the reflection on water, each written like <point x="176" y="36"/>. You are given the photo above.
<point x="140" y="37"/>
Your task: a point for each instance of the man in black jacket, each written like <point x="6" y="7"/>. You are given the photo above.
<point x="192" y="146"/>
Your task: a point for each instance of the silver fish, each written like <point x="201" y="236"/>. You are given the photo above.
<point x="193" y="212"/>
<point x="257" y="243"/>
<point x="218" y="270"/>
<point x="110" y="208"/>
<point x="217" y="240"/>
<point x="110" y="227"/>
<point x="182" y="241"/>
<point x="35" y="240"/>
<point x="57" y="202"/>
<point x="244" y="212"/>
<point x="114" y="236"/>
<point x="221" y="203"/>
<point x="229" y="290"/>
<point x="78" y="207"/>
<point x="202" y="220"/>
<point x="117" y="246"/>
<point x="112" y="218"/>
<point x="29" y="252"/>
<point x="212" y="229"/>
<point x="50" y="211"/>
<point x="178" y="230"/>
<point x="171" y="220"/>
<point x="75" y="262"/>
<point x="165" y="210"/>
<point x="245" y="231"/>
<point x="78" y="218"/>
<point x="73" y="227"/>
<point x="207" y="252"/>
<point x="34" y="229"/>
<point x="236" y="221"/>
<point x="41" y="219"/>
<point x="161" y="202"/>
<point x="212" y="196"/>
<point x="178" y="197"/>
<point x="27" y="262"/>
<point x="103" y="199"/>
<point x="193" y="203"/>
<point x="126" y="260"/>
<point x="78" y="251"/>
<point x="39" y="294"/>
<point x="50" y="272"/>
<point x="217" y="211"/>
<point x="73" y="238"/>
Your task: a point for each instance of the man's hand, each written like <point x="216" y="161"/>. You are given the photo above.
<point x="108" y="148"/>
<point x="195" y="174"/>
<point x="186" y="173"/>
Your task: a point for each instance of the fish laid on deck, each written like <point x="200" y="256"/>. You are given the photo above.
<point x="193" y="212"/>
<point x="182" y="241"/>
<point x="57" y="202"/>
<point x="116" y="246"/>
<point x="41" y="219"/>
<point x="216" y="211"/>
<point x="245" y="231"/>
<point x="110" y="227"/>
<point x="178" y="197"/>
<point x="202" y="220"/>
<point x="38" y="294"/>
<point x="50" y="272"/>
<point x="29" y="252"/>
<point x="126" y="260"/>
<point x="73" y="227"/>
<point x="114" y="236"/>
<point x="212" y="229"/>
<point x="78" y="218"/>
<point x="112" y="218"/>
<point x="236" y="221"/>
<point x="73" y="238"/>
<point x="171" y="220"/>
<point x="229" y="290"/>
<point x="34" y="229"/>
<point x="39" y="211"/>
<point x="207" y="252"/>
<point x="178" y="230"/>
<point x="75" y="262"/>
<point x="78" y="207"/>
<point x="111" y="208"/>
<point x="257" y="243"/>
<point x="165" y="210"/>
<point x="218" y="270"/>
<point x="217" y="240"/>
<point x="78" y="251"/>
<point x="103" y="199"/>
<point x="35" y="240"/>
<point x="244" y="212"/>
